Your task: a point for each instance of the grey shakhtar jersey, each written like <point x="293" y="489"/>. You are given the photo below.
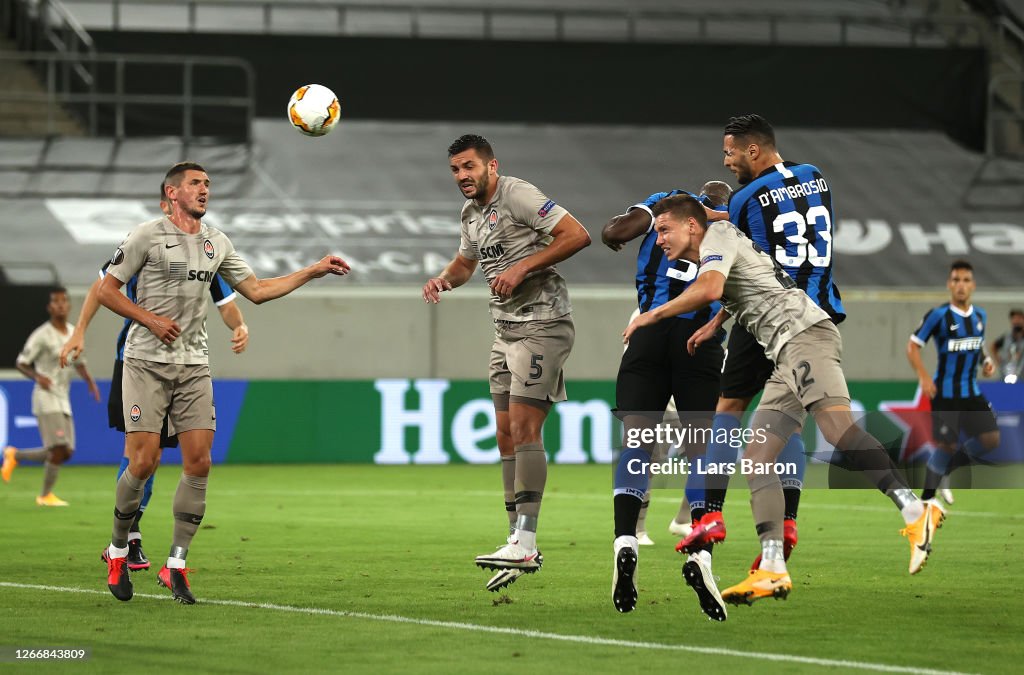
<point x="758" y="293"/>
<point x="174" y="273"/>
<point x="515" y="224"/>
<point x="42" y="352"/>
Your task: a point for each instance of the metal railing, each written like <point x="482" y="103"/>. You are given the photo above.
<point x="630" y="24"/>
<point x="119" y="96"/>
<point x="1005" y="122"/>
<point x="48" y="24"/>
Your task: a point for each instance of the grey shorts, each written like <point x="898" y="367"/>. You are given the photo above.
<point x="56" y="429"/>
<point x="527" y="358"/>
<point x="183" y="393"/>
<point x="808" y="374"/>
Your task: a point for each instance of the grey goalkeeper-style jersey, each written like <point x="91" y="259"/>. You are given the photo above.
<point x="42" y="352"/>
<point x="515" y="224"/>
<point x="758" y="293"/>
<point x="174" y="273"/>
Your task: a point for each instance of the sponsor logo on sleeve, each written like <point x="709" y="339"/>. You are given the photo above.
<point x="118" y="257"/>
<point x="709" y="259"/>
<point x="208" y="249"/>
<point x="544" y="210"/>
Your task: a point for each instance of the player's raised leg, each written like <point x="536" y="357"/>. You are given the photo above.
<point x="864" y="453"/>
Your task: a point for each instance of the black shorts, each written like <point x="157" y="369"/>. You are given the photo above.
<point x="115" y="408"/>
<point x="656" y="367"/>
<point x="973" y="416"/>
<point x="746" y="367"/>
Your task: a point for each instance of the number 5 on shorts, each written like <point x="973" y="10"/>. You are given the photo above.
<point x="535" y="368"/>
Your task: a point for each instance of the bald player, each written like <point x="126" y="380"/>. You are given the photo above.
<point x="517" y="235"/>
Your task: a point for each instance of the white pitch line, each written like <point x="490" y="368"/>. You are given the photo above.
<point x="414" y="492"/>
<point x="518" y="632"/>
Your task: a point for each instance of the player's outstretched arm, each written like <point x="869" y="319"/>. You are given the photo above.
<point x="231" y="315"/>
<point x="455" y="273"/>
<point x="263" y="290"/>
<point x="110" y="296"/>
<point x="568" y="238"/>
<point x="706" y="289"/>
<point x="914" y="357"/>
<point x="76" y="343"/>
<point x="624" y="228"/>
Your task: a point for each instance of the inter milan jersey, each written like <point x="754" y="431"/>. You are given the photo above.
<point x="787" y="211"/>
<point x="958" y="338"/>
<point x="219" y="291"/>
<point x="658" y="279"/>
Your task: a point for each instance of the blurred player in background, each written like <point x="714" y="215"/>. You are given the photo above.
<point x="166" y="363"/>
<point x="802" y="341"/>
<point x="656" y="368"/>
<point x="786" y="209"/>
<point x="958" y="406"/>
<point x="224" y="299"/>
<point x="39" y="361"/>
<point x="517" y="235"/>
<point x="1009" y="349"/>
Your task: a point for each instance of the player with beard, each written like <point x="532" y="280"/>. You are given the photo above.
<point x="517" y="235"/>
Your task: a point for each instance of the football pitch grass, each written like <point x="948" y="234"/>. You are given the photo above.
<point x="370" y="569"/>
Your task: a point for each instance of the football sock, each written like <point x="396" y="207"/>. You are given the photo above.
<point x="147" y="493"/>
<point x="641" y="519"/>
<point x="720" y="451"/>
<point x="975" y="448"/>
<point x="793" y="483"/>
<point x="126" y="503"/>
<point x="767" y="505"/>
<point x="189" y="508"/>
<point x="508" y="482"/>
<point x="772" y="556"/>
<point x="912" y="509"/>
<point x="627" y="508"/>
<point x="531" y="474"/>
<point x="629" y="488"/>
<point x="50" y="471"/>
<point x="865" y="454"/>
<point x="938" y="466"/>
<point x="32" y="455"/>
<point x="694" y="504"/>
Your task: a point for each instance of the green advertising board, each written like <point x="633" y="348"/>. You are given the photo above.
<point x="437" y="421"/>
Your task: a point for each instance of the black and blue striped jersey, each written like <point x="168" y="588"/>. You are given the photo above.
<point x="219" y="291"/>
<point x="658" y="279"/>
<point x="787" y="211"/>
<point x="959" y="337"/>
